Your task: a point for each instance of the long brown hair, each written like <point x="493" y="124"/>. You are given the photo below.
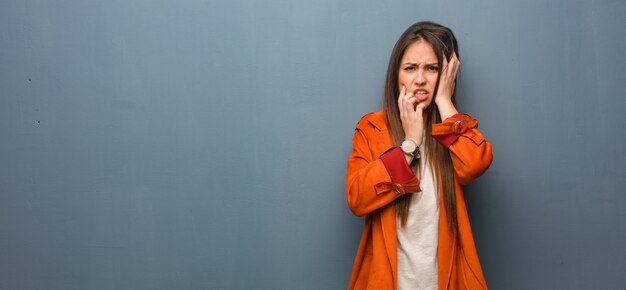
<point x="444" y="43"/>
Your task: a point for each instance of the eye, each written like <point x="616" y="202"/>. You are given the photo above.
<point x="432" y="68"/>
<point x="409" y="68"/>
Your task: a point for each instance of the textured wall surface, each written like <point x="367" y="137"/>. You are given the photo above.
<point x="203" y="144"/>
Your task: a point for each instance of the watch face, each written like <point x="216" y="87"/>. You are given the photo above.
<point x="408" y="146"/>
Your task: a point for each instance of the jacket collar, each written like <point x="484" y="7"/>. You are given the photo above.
<point x="379" y="120"/>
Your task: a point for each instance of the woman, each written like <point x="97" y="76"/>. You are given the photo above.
<point x="407" y="170"/>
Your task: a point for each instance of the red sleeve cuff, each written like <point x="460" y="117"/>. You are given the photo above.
<point x="450" y="129"/>
<point x="396" y="165"/>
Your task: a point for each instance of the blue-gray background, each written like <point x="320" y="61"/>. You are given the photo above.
<point x="202" y="144"/>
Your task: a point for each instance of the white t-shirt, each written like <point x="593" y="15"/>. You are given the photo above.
<point x="417" y="241"/>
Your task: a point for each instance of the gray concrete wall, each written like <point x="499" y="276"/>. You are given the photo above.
<point x="203" y="144"/>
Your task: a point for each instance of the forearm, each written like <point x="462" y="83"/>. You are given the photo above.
<point x="471" y="154"/>
<point x="446" y="108"/>
<point x="370" y="186"/>
<point x="373" y="182"/>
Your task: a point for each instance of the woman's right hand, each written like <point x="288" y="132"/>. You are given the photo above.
<point x="411" y="115"/>
<point x="412" y="118"/>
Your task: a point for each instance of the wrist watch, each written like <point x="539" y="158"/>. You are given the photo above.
<point x="409" y="147"/>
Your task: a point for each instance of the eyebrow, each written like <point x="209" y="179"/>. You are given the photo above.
<point x="412" y="63"/>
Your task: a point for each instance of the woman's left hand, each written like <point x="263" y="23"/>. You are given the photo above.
<point x="447" y="79"/>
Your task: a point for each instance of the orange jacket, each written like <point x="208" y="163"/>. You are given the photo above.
<point x="370" y="191"/>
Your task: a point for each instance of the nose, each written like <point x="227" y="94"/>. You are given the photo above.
<point x="420" y="79"/>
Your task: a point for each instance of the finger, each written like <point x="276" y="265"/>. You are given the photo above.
<point x="401" y="98"/>
<point x="456" y="64"/>
<point x="445" y="64"/>
<point x="456" y="60"/>
<point x="405" y="94"/>
<point x="418" y="114"/>
<point x="411" y="102"/>
<point x="400" y="102"/>
<point x="451" y="67"/>
<point x="408" y="105"/>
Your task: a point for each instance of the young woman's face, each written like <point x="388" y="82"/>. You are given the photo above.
<point x="419" y="70"/>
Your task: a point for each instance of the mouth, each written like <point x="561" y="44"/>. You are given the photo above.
<point x="421" y="94"/>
